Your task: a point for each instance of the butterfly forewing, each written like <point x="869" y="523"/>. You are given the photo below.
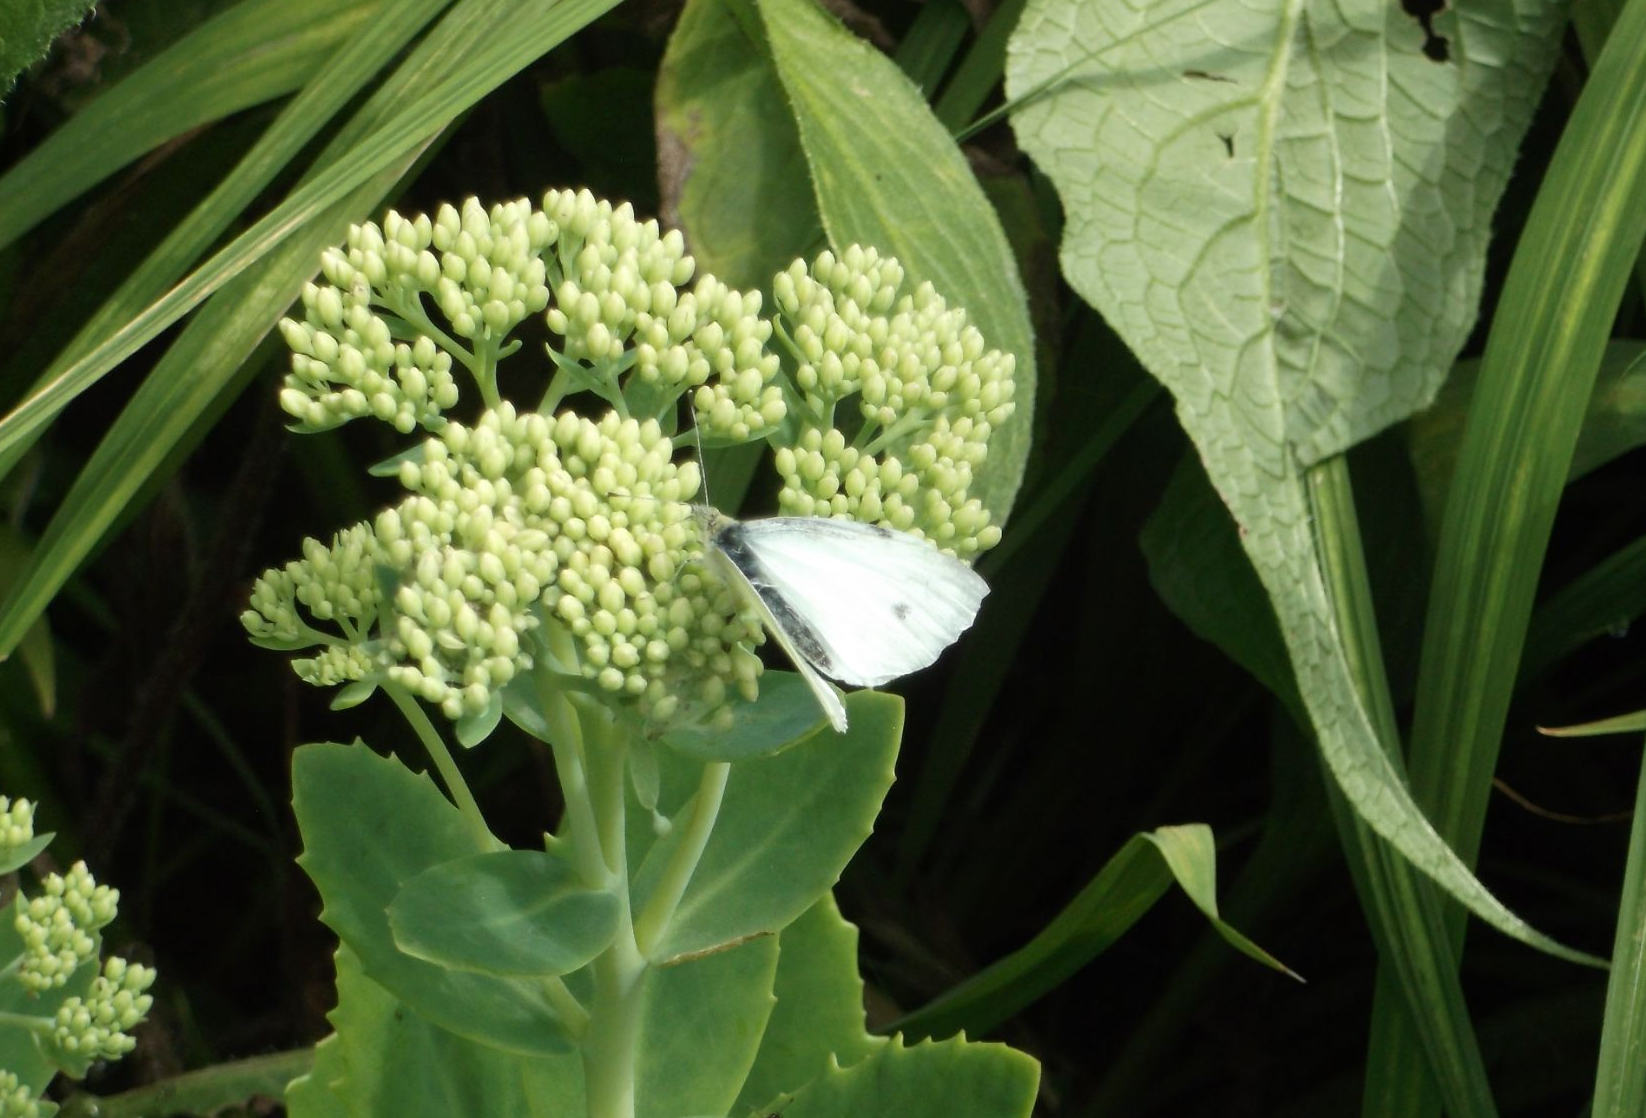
<point x="879" y="603"/>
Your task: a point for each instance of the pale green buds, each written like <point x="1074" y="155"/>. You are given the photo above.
<point x="519" y="517"/>
<point x="58" y="927"/>
<point x="16" y="1100"/>
<point x="98" y="1025"/>
<point x="16" y="825"/>
<point x="928" y="389"/>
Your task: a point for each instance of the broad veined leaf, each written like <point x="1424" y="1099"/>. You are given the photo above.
<point x="1283" y="209"/>
<point x="733" y="176"/>
<point x="886" y="173"/>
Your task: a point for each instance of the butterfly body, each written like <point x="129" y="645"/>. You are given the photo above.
<point x="855" y="602"/>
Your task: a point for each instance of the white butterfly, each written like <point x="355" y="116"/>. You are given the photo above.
<point x="855" y="602"/>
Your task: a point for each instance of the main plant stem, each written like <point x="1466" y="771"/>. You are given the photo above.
<point x="590" y="755"/>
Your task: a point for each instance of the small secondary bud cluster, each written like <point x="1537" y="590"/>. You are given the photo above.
<point x="16" y="1100"/>
<point x="621" y="289"/>
<point x="59" y="927"/>
<point x="16" y="825"/>
<point x="929" y="391"/>
<point x="98" y="1025"/>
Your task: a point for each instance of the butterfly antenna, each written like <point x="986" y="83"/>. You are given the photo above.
<point x="702" y="464"/>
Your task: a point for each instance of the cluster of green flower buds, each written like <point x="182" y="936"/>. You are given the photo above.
<point x="613" y="287"/>
<point x="929" y="393"/>
<point x="622" y="289"/>
<point x="515" y="516"/>
<point x="97" y="1026"/>
<point x="16" y="1100"/>
<point x="58" y="927"/>
<point x="16" y="826"/>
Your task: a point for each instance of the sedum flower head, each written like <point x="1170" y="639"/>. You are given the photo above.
<point x="16" y="825"/>
<point x="59" y="926"/>
<point x="98" y="1025"/>
<point x="928" y="393"/>
<point x="565" y="542"/>
<point x="16" y="1100"/>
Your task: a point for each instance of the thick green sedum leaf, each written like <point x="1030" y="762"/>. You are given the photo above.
<point x="701" y="1029"/>
<point x="936" y="1079"/>
<point x="886" y="173"/>
<point x="524" y="912"/>
<point x="27" y="28"/>
<point x="787" y="826"/>
<point x="818" y="1021"/>
<point x="700" y="1026"/>
<point x="370" y="825"/>
<point x="1286" y="223"/>
<point x="785" y="715"/>
<point x="385" y="1060"/>
<point x="732" y="173"/>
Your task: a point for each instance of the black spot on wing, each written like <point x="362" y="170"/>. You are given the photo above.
<point x="735" y="546"/>
<point x="900" y="610"/>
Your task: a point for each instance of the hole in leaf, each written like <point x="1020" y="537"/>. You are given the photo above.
<point x="1435" y="47"/>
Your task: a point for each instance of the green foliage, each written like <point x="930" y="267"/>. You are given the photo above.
<point x="729" y="152"/>
<point x="525" y="914"/>
<point x="27" y="28"/>
<point x="787" y="827"/>
<point x="886" y="173"/>
<point x="1286" y="217"/>
<point x="369" y="827"/>
<point x="1217" y="286"/>
<point x="1122" y="891"/>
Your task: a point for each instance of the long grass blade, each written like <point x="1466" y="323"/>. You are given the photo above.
<point x="251" y="53"/>
<point x="1542" y="355"/>
<point x="211" y="352"/>
<point x="420" y="118"/>
<point x="1620" y="1081"/>
<point x="342" y="77"/>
